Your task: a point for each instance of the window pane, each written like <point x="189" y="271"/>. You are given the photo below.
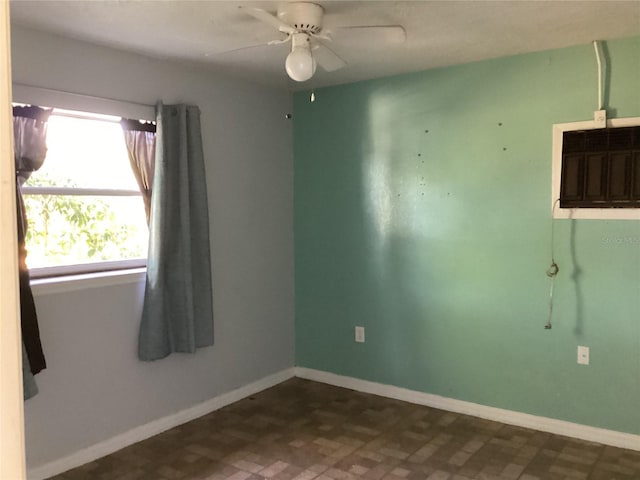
<point x="71" y="229"/>
<point x="84" y="153"/>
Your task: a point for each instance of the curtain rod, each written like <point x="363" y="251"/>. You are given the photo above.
<point x="81" y="95"/>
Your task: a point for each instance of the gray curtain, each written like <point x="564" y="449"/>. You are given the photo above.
<point x="177" y="315"/>
<point x="30" y="150"/>
<point x="140" y="139"/>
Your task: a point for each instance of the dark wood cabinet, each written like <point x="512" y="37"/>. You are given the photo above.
<point x="601" y="168"/>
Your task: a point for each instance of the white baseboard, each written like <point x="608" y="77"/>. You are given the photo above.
<point x="544" y="424"/>
<point x="155" y="427"/>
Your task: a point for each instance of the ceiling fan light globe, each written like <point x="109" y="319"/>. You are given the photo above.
<point x="300" y="64"/>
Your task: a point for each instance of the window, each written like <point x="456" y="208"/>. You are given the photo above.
<point x="596" y="172"/>
<point x="84" y="206"/>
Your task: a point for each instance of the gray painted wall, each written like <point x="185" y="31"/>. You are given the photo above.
<point x="94" y="387"/>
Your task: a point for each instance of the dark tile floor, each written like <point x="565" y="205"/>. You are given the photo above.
<point x="304" y="430"/>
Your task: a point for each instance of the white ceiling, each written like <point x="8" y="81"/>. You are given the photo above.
<point x="439" y="33"/>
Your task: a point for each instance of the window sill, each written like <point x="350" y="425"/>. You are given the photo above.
<point x="71" y="283"/>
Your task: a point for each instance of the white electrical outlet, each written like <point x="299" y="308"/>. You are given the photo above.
<point x="360" y="334"/>
<point x="583" y="355"/>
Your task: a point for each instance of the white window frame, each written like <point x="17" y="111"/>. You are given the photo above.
<point x="94" y="267"/>
<point x="556" y="175"/>
<point x="73" y="277"/>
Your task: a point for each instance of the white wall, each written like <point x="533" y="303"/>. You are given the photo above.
<point x="94" y="387"/>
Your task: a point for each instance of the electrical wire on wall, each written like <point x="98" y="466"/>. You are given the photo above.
<point x="600" y="115"/>
<point x="596" y="48"/>
<point x="553" y="269"/>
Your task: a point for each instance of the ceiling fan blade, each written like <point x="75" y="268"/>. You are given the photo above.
<point x="371" y="35"/>
<point x="268" y="18"/>
<point x="328" y="60"/>
<point x="233" y="50"/>
<point x="248" y="47"/>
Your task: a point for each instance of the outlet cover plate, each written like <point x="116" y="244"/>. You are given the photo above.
<point x="360" y="334"/>
<point x="583" y="355"/>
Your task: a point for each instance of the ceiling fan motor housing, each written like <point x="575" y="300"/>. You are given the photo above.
<point x="303" y="16"/>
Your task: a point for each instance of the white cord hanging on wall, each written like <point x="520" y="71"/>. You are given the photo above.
<point x="553" y="269"/>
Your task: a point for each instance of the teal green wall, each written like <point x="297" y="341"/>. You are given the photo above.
<point x="422" y="212"/>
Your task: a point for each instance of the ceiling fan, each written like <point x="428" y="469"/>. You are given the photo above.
<point x="302" y="22"/>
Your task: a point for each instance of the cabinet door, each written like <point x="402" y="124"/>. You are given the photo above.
<point x="601" y="168"/>
<point x="572" y="186"/>
<point x="595" y="177"/>
<point x="619" y="182"/>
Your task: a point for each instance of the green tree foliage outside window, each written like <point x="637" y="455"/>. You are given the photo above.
<point x="73" y="229"/>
